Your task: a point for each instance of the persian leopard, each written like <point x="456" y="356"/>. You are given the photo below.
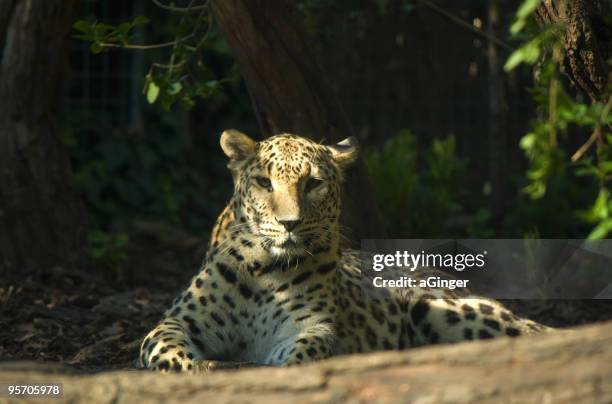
<point x="275" y="287"/>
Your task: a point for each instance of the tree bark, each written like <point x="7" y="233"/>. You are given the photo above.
<point x="42" y="219"/>
<point x="587" y="41"/>
<point x="290" y="92"/>
<point x="560" y="367"/>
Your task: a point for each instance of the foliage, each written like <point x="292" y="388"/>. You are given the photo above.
<point x="103" y="35"/>
<point x="126" y="177"/>
<point x="551" y="216"/>
<point x="533" y="50"/>
<point x="523" y="14"/>
<point x="107" y="249"/>
<point x="156" y="172"/>
<point x="420" y="195"/>
<point x="421" y="192"/>
<point x="559" y="118"/>
<point x="185" y="76"/>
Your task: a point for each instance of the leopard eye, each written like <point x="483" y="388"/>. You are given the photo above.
<point x="264" y="183"/>
<point x="312" y="183"/>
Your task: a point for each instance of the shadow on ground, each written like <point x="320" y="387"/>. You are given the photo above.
<point x="93" y="320"/>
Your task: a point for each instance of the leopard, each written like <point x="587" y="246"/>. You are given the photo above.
<point x="276" y="287"/>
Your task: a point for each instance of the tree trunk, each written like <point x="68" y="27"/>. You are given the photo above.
<point x="290" y="92"/>
<point x="42" y="220"/>
<point x="587" y="41"/>
<point x="560" y="367"/>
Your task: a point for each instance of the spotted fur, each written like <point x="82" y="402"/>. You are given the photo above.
<point x="275" y="287"/>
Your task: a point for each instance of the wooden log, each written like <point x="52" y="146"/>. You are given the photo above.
<point x="560" y="367"/>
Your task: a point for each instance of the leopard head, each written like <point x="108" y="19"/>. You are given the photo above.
<point x="287" y="189"/>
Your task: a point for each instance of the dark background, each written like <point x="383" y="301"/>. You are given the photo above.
<point x="438" y="118"/>
<point x="395" y="69"/>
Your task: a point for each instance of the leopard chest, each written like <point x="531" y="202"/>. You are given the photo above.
<point x="251" y="315"/>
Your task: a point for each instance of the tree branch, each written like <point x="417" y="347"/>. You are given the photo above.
<point x="148" y="47"/>
<point x="188" y="9"/>
<point x="596" y="133"/>
<point x="459" y="21"/>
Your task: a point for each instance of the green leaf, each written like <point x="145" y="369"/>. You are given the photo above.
<point x="528" y="141"/>
<point x="517" y="26"/>
<point x="524" y="11"/>
<point x="83" y="26"/>
<point x="124" y="28"/>
<point x="152" y="92"/>
<point x="528" y="7"/>
<point x="588" y="170"/>
<point x="605" y="167"/>
<point x="528" y="53"/>
<point x="166" y="104"/>
<point x="515" y="59"/>
<point x="536" y="189"/>
<point x="600" y="209"/>
<point x="96" y="48"/>
<point x="186" y="103"/>
<point x="601" y="230"/>
<point x="103" y="29"/>
<point x="175" y="88"/>
<point x="140" y="20"/>
<point x="212" y="84"/>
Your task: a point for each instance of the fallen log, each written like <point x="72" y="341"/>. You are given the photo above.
<point x="567" y="366"/>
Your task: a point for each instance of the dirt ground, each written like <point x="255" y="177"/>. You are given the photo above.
<point x="93" y="319"/>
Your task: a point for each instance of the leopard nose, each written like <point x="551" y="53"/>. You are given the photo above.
<point x="290" y="224"/>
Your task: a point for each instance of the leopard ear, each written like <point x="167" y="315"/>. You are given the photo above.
<point x="236" y="145"/>
<point x="345" y="152"/>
